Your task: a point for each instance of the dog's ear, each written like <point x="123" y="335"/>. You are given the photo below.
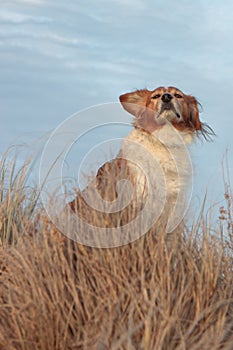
<point x="135" y="102"/>
<point x="194" y="113"/>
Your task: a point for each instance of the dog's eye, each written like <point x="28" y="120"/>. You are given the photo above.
<point x="178" y="96"/>
<point x="156" y="96"/>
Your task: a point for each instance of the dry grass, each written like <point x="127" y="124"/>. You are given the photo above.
<point x="17" y="200"/>
<point x="56" y="294"/>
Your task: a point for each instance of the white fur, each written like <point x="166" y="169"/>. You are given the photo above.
<point x="164" y="159"/>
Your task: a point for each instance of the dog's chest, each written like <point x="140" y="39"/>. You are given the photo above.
<point x="161" y="158"/>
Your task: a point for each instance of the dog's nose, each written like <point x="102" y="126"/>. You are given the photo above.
<point x="167" y="97"/>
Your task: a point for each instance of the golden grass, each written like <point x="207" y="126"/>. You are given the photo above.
<point x="17" y="199"/>
<point x="57" y="294"/>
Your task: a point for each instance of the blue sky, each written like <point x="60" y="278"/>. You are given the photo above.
<point x="58" y="57"/>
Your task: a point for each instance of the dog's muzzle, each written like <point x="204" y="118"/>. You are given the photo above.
<point x="169" y="108"/>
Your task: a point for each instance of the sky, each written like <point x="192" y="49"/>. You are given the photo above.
<point x="60" y="57"/>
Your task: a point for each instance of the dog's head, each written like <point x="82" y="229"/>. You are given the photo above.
<point x="153" y="109"/>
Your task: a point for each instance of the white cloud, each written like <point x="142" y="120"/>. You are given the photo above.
<point x="12" y="33"/>
<point x="30" y="2"/>
<point x="11" y="17"/>
<point x="133" y="4"/>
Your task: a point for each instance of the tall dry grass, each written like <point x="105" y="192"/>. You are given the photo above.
<point x="56" y="294"/>
<point x="18" y="199"/>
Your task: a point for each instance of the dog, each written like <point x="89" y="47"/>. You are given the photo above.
<point x="166" y="120"/>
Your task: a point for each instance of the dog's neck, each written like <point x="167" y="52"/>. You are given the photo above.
<point x="166" y="136"/>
